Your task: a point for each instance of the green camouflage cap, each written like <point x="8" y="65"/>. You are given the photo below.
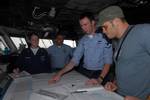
<point x="109" y="13"/>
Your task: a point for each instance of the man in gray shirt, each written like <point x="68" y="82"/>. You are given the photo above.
<point x="132" y="56"/>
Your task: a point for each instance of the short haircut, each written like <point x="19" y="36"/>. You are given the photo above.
<point x="89" y="15"/>
<point x="59" y="34"/>
<point x="32" y="35"/>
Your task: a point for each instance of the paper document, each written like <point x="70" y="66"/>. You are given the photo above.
<point x="51" y="95"/>
<point x="100" y="95"/>
<point x="82" y="87"/>
<point x="89" y="88"/>
<point x="20" y="75"/>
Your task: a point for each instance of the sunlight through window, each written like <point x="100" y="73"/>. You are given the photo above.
<point x="71" y="43"/>
<point x="19" y="42"/>
<point x="45" y="43"/>
<point x="2" y="43"/>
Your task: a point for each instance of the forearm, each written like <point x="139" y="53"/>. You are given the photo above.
<point x="67" y="68"/>
<point x="103" y="73"/>
<point x="105" y="70"/>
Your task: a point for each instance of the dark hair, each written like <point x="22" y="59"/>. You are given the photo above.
<point x="59" y="34"/>
<point x="89" y="15"/>
<point x="32" y="35"/>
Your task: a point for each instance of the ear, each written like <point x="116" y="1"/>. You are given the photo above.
<point x="115" y="22"/>
<point x="93" y="22"/>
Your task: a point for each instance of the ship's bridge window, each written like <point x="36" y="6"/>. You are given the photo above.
<point x="71" y="43"/>
<point x="3" y="45"/>
<point x="19" y="41"/>
<point x="45" y="43"/>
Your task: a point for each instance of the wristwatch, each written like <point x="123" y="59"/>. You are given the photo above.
<point x="100" y="79"/>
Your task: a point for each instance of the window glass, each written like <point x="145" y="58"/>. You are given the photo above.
<point x="70" y="43"/>
<point x="2" y="44"/>
<point x="18" y="41"/>
<point x="45" y="43"/>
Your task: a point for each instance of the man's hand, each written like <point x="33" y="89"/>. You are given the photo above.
<point x="16" y="71"/>
<point x="92" y="82"/>
<point x="110" y="86"/>
<point x="54" y="79"/>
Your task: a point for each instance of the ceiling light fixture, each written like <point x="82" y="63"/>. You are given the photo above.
<point x="39" y="16"/>
<point x="139" y="2"/>
<point x="52" y="12"/>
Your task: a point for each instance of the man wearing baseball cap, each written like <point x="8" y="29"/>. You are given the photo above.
<point x="132" y="55"/>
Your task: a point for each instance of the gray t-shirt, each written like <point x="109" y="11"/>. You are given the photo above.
<point x="133" y="64"/>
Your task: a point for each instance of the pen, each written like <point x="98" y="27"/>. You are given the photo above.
<point x="79" y="91"/>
